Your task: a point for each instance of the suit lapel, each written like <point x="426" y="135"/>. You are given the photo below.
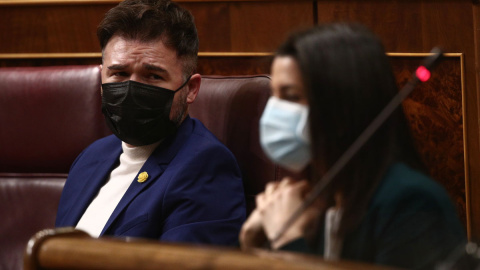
<point x="92" y="185"/>
<point x="135" y="188"/>
<point x="164" y="153"/>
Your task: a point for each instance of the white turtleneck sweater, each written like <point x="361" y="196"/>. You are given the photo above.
<point x="333" y="244"/>
<point x="102" y="207"/>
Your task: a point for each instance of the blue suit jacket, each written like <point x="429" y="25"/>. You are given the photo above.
<point x="194" y="191"/>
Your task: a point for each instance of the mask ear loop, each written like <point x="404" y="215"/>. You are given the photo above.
<point x="303" y="127"/>
<point x="185" y="83"/>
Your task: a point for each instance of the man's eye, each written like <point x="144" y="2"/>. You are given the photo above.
<point x="120" y="74"/>
<point x="156" y="77"/>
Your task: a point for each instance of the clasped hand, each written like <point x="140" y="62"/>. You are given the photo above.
<point x="274" y="207"/>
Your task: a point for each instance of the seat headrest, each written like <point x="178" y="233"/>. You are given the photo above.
<point x="48" y="115"/>
<point x="231" y="107"/>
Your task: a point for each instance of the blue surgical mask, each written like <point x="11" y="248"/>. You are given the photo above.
<point x="284" y="133"/>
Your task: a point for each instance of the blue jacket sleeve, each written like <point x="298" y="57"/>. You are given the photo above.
<point x="205" y="203"/>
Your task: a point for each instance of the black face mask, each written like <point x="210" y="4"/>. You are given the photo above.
<point x="138" y="113"/>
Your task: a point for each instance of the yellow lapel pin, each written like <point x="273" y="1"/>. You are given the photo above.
<point x="142" y="177"/>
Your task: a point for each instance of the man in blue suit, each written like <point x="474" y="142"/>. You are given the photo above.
<point x="163" y="175"/>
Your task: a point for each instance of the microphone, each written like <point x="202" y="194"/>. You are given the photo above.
<point x="422" y="74"/>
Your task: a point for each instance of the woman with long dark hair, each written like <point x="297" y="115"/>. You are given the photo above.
<point x="328" y="84"/>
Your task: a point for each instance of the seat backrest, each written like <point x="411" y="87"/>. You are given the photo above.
<point x="28" y="203"/>
<point x="231" y="107"/>
<point x="48" y="115"/>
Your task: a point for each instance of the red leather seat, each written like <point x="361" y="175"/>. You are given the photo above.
<point x="48" y="115"/>
<point x="231" y="108"/>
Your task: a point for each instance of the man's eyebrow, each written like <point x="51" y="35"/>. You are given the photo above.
<point x="117" y="67"/>
<point x="151" y="67"/>
<point x="154" y="68"/>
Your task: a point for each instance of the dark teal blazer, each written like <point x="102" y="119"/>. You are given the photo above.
<point x="194" y="192"/>
<point x="410" y="222"/>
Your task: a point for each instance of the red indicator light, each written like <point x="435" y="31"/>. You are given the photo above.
<point x="423" y="74"/>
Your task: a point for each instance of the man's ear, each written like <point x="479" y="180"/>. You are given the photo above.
<point x="193" y="87"/>
<point x="101" y="69"/>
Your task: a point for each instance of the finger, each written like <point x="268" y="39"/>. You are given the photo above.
<point x="254" y="220"/>
<point x="299" y="188"/>
<point x="260" y="201"/>
<point x="252" y="233"/>
<point x="286" y="181"/>
<point x="270" y="188"/>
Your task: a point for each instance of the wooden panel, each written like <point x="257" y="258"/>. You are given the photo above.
<point x="248" y="26"/>
<point x="417" y="26"/>
<point x="262" y="26"/>
<point x="234" y="65"/>
<point x="408" y="26"/>
<point x="38" y="62"/>
<point x="38" y="29"/>
<point x="213" y="25"/>
<point x="222" y="26"/>
<point x="473" y="115"/>
<point x="434" y="112"/>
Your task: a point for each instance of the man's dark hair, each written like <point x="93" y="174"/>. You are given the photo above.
<point x="149" y="20"/>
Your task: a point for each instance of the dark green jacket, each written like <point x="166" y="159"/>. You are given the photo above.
<point x="410" y="222"/>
